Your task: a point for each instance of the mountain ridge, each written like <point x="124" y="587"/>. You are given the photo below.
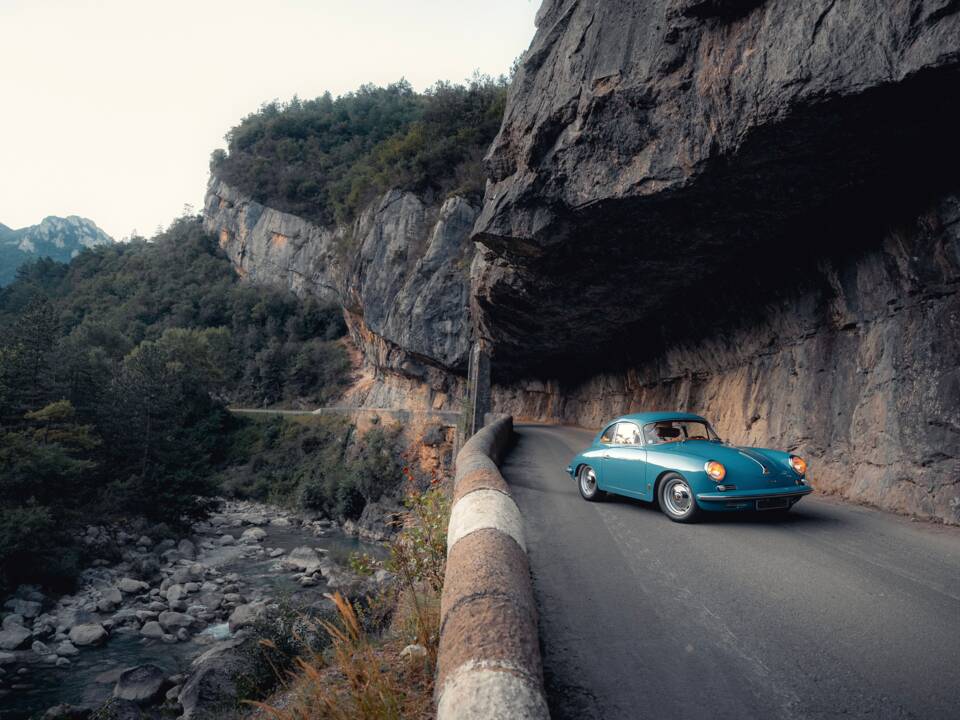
<point x="56" y="237"/>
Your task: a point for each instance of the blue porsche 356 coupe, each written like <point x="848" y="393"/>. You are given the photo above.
<point x="677" y="460"/>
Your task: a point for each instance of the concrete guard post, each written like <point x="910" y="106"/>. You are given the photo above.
<point x="489" y="665"/>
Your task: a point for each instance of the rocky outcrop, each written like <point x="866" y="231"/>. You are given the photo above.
<point x="657" y="152"/>
<point x="401" y="272"/>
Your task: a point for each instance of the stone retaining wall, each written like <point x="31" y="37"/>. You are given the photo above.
<point x="489" y="664"/>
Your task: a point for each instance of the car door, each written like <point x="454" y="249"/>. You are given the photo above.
<point x="624" y="463"/>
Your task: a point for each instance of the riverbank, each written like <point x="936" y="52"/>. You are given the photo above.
<point x="164" y="602"/>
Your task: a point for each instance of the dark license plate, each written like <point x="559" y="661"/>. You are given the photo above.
<point x="773" y="503"/>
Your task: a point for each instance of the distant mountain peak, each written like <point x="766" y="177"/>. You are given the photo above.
<point x="59" y="238"/>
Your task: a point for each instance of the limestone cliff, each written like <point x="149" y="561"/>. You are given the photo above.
<point x="746" y="209"/>
<point x="649" y="150"/>
<point x="857" y="368"/>
<point x="401" y="272"/>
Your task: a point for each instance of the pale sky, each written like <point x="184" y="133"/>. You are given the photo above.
<point x="110" y="110"/>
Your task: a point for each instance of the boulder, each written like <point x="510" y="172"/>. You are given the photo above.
<point x="414" y="652"/>
<point x="143" y="685"/>
<point x="109" y="600"/>
<point x="131" y="586"/>
<point x="175" y="593"/>
<point x="380" y="520"/>
<point x="14" y="637"/>
<point x="246" y="615"/>
<point x="187" y="549"/>
<point x="152" y="630"/>
<point x="253" y="535"/>
<point x="226" y="539"/>
<point x="174" y="620"/>
<point x="211" y="684"/>
<point x="66" y="649"/>
<point x="88" y="634"/>
<point x="11" y="620"/>
<point x="29" y="609"/>
<point x="40" y="648"/>
<point x="302" y="558"/>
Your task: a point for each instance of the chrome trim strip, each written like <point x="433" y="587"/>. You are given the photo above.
<point x="766" y="470"/>
<point x="711" y="497"/>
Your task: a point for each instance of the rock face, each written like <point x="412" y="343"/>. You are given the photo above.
<point x="855" y="368"/>
<point x="655" y="152"/>
<point x="744" y="209"/>
<point x="401" y="271"/>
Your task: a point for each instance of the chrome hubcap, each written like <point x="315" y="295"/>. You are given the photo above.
<point x="677" y="497"/>
<point x="588" y="481"/>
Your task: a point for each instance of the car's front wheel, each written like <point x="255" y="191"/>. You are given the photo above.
<point x="676" y="499"/>
<point x="587" y="483"/>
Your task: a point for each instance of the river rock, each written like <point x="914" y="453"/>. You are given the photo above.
<point x="212" y="680"/>
<point x="131" y="586"/>
<point x="253" y="535"/>
<point x="66" y="649"/>
<point x="280" y="522"/>
<point x="276" y="552"/>
<point x="40" y="648"/>
<point x="302" y="558"/>
<point x="152" y="629"/>
<point x="29" y="609"/>
<point x="88" y="634"/>
<point x="13" y="620"/>
<point x="143" y="684"/>
<point x="175" y="593"/>
<point x="144" y="542"/>
<point x="14" y="637"/>
<point x="174" y="620"/>
<point x="109" y="600"/>
<point x="246" y="615"/>
<point x="226" y="539"/>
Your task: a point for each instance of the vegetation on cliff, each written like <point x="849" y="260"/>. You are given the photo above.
<point x="113" y="373"/>
<point x="325" y="159"/>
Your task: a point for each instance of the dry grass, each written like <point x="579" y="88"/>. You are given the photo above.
<point x="360" y="678"/>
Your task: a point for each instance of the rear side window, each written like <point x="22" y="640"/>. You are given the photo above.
<point x="607" y="436"/>
<point x="627" y="434"/>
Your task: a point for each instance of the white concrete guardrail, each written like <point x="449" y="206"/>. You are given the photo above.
<point x="489" y="665"/>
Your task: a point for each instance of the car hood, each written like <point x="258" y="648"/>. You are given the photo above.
<point x="739" y="461"/>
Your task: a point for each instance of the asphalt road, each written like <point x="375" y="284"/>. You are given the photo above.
<point x="833" y="611"/>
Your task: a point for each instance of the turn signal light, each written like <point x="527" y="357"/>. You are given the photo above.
<point x="798" y="464"/>
<point x="715" y="470"/>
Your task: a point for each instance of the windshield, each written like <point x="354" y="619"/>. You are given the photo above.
<point x="668" y="431"/>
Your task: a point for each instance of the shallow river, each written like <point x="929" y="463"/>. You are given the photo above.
<point x="91" y="676"/>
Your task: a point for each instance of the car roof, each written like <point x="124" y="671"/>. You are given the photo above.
<point x="658" y="416"/>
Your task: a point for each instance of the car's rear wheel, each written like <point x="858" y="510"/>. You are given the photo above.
<point x="676" y="499"/>
<point x="587" y="483"/>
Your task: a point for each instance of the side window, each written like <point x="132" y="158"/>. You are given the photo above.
<point x="627" y="434"/>
<point x="607" y="436"/>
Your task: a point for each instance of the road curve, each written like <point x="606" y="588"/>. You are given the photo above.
<point x="834" y="611"/>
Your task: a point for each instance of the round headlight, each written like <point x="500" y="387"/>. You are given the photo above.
<point x="715" y="471"/>
<point x="798" y="464"/>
